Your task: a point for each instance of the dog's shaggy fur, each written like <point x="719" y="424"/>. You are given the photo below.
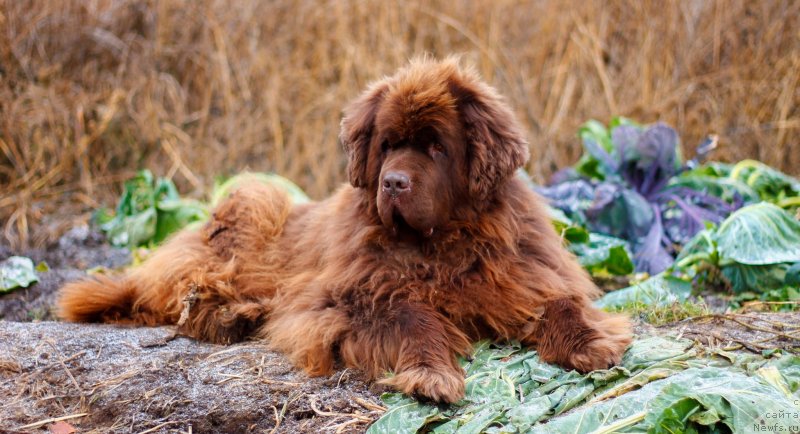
<point x="436" y="243"/>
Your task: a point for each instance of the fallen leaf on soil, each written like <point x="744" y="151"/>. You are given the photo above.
<point x="62" y="427"/>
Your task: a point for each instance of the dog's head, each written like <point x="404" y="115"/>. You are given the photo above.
<point x="429" y="142"/>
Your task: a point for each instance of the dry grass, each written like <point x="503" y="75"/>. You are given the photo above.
<point x="92" y="90"/>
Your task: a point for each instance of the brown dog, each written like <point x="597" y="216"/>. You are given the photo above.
<point x="435" y="243"/>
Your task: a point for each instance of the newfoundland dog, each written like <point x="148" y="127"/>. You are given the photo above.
<point x="435" y="243"/>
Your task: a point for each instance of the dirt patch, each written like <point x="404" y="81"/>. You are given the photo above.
<point x="753" y="331"/>
<point x="79" y="249"/>
<point x="133" y="379"/>
<point x="36" y="303"/>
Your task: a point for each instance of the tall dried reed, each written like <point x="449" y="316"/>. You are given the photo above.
<point x="92" y="90"/>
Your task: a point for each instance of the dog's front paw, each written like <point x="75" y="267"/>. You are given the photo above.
<point x="443" y="384"/>
<point x="580" y="337"/>
<point x="600" y="353"/>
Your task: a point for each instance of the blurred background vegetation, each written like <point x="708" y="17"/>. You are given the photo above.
<point x="91" y="91"/>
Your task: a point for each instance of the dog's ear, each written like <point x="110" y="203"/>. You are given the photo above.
<point x="358" y="125"/>
<point x="495" y="143"/>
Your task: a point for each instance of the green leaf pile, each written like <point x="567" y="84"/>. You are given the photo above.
<point x="151" y="209"/>
<point x="148" y="211"/>
<point x="662" y="386"/>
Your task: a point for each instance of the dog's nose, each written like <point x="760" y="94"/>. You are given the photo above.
<point x="395" y="183"/>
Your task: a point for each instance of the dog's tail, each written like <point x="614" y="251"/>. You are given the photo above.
<point x="97" y="299"/>
<point x="226" y="262"/>
<point x="149" y="294"/>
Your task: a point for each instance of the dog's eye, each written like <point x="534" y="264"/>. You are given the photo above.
<point x="436" y="149"/>
<point x="384" y="146"/>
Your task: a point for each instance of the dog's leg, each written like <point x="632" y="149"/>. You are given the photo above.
<point x="308" y="333"/>
<point x="415" y="342"/>
<point x="574" y="334"/>
<point x="221" y="321"/>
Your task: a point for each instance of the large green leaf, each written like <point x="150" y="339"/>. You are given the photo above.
<point x="712" y="396"/>
<point x="760" y="234"/>
<point x="223" y="189"/>
<point x="789" y="368"/>
<point x="526" y="414"/>
<point x="405" y="415"/>
<point x="602" y="253"/>
<point x="568" y="229"/>
<point x="758" y="278"/>
<point x="772" y="185"/>
<point x="17" y="272"/>
<point x="661" y="289"/>
<point x="648" y="351"/>
<point x="754" y="250"/>
<point x="175" y="214"/>
<point x="481" y="417"/>
<point x="702" y="245"/>
<point x="608" y="416"/>
<point x="131" y="230"/>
